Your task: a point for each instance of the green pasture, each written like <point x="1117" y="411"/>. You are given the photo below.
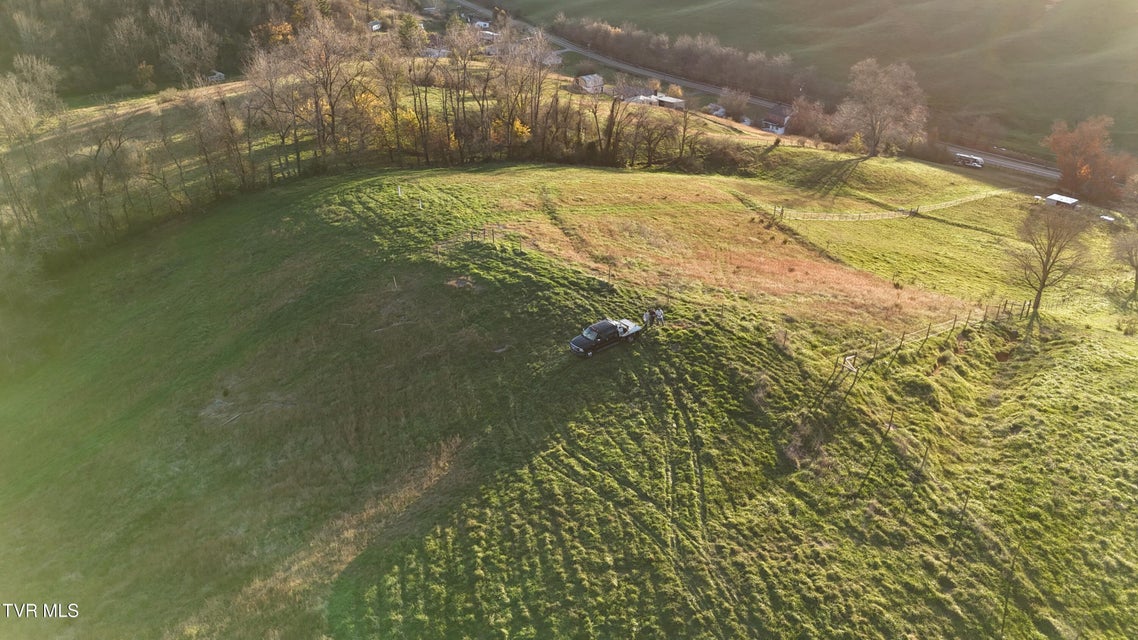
<point x="344" y="407"/>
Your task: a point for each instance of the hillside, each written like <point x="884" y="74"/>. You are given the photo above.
<point x="345" y="406"/>
<point x="1025" y="63"/>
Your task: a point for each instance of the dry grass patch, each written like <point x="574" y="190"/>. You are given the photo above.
<point x="719" y="246"/>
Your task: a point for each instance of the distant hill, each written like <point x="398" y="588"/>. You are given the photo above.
<point x="1023" y="62"/>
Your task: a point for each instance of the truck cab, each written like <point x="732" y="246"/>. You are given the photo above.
<point x="603" y="334"/>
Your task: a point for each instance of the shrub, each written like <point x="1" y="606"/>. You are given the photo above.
<point x="167" y="95"/>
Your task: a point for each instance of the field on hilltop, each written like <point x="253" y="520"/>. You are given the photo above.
<point x="1023" y="62"/>
<point x="345" y="407"/>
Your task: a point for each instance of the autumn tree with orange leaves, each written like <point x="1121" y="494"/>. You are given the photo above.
<point x="1088" y="166"/>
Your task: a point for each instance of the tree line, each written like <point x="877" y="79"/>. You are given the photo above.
<point x="98" y="45"/>
<point x="317" y="99"/>
<point x="321" y="95"/>
<point x="699" y="57"/>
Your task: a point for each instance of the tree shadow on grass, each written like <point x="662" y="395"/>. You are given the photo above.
<point x="829" y="177"/>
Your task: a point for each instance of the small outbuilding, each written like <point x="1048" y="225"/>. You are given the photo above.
<point x="668" y="102"/>
<point x="1062" y="201"/>
<point x="651" y="101"/>
<point x="592" y="83"/>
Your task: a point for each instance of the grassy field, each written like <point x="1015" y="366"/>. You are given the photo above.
<point x="325" y="409"/>
<point x="1025" y="62"/>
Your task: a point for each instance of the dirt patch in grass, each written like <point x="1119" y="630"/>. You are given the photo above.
<point x="675" y="248"/>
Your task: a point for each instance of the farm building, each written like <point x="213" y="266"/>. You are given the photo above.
<point x="1062" y="201"/>
<point x="648" y="100"/>
<point x="669" y="102"/>
<point x="592" y="83"/>
<point x="777" y="118"/>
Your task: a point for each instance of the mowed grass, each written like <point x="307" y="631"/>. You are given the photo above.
<point x="1026" y="62"/>
<point x="294" y="417"/>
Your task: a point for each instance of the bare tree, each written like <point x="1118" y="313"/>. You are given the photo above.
<point x="327" y="61"/>
<point x="189" y="46"/>
<point x="107" y="158"/>
<point x="27" y="98"/>
<point x="1125" y="250"/>
<point x="885" y="105"/>
<point x="275" y="99"/>
<point x="1053" y="253"/>
<point x="734" y="102"/>
<point x="126" y="46"/>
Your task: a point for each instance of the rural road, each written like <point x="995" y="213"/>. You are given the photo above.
<point x="995" y="160"/>
<point x="1009" y="163"/>
<point x="562" y="43"/>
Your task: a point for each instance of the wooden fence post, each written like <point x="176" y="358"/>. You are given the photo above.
<point x="956" y="531"/>
<point x="896" y="351"/>
<point x="1008" y="589"/>
<point x="919" y="474"/>
<point x="869" y="469"/>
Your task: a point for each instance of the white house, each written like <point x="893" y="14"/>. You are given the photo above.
<point x="482" y="24"/>
<point x="592" y="83"/>
<point x="777" y="118"/>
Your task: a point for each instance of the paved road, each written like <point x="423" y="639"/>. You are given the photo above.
<point x="995" y="160"/>
<point x="562" y="43"/>
<point x="1005" y="162"/>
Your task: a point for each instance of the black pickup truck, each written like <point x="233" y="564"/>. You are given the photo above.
<point x="604" y="334"/>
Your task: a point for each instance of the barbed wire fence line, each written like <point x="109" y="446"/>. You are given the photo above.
<point x="781" y="213"/>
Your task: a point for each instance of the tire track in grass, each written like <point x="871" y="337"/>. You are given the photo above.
<point x="680" y="536"/>
<point x="681" y="540"/>
<point x="696" y="599"/>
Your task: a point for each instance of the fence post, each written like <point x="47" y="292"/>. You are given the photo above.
<point x="1008" y="589"/>
<point x="928" y="332"/>
<point x="954" y="316"/>
<point x="895" y="352"/>
<point x="869" y="469"/>
<point x="956" y="532"/>
<point x="918" y="475"/>
<point x="968" y="319"/>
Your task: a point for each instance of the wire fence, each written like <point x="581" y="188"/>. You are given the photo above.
<point x="790" y="214"/>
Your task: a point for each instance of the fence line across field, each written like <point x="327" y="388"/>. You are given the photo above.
<point x="790" y="214"/>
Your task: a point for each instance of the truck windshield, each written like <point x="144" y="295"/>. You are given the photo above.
<point x="589" y="333"/>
